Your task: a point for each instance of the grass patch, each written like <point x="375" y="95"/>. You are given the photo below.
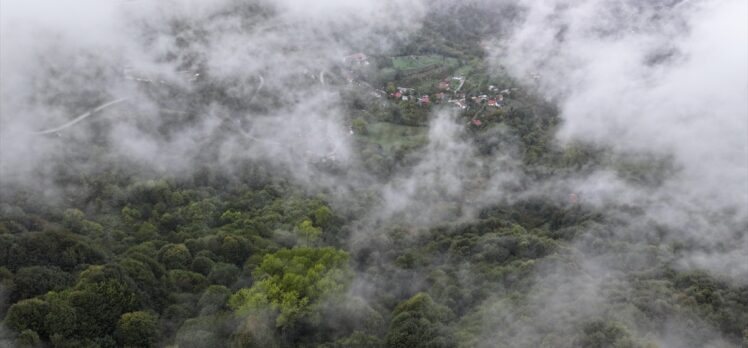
<point x="415" y="63"/>
<point x="394" y="137"/>
<point x="464" y="70"/>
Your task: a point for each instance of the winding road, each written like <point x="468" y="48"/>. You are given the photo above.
<point x="81" y="117"/>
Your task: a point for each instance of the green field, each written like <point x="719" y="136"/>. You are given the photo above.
<point x="392" y="137"/>
<point x="410" y="63"/>
<point x="464" y="70"/>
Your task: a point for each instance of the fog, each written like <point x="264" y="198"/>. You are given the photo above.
<point x="258" y="56"/>
<point x="185" y="85"/>
<point x="670" y="80"/>
<point x="665" y="79"/>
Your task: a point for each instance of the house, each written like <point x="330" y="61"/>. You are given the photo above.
<point x="459" y="103"/>
<point x="492" y="102"/>
<point x="356" y="58"/>
<point x="476" y="122"/>
<point x="443" y="85"/>
<point x="405" y="90"/>
<point x="397" y="95"/>
<point x="424" y="100"/>
<point x="573" y="198"/>
<point x="348" y="76"/>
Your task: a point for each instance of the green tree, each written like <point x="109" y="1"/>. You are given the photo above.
<point x="102" y="294"/>
<point x="213" y="299"/>
<point x="360" y="126"/>
<point x="186" y="281"/>
<point x="137" y="329"/>
<point x="605" y="334"/>
<point x="323" y="216"/>
<point x="358" y="339"/>
<point x="391" y="87"/>
<point x="27" y="315"/>
<point x="307" y="230"/>
<point x="37" y="280"/>
<point x="255" y="331"/>
<point x="29" y="338"/>
<point x="293" y="281"/>
<point x="147" y="231"/>
<point x="62" y="318"/>
<point x="175" y="256"/>
<point x="419" y="322"/>
<point x="202" y="265"/>
<point x="233" y="249"/>
<point x="223" y="274"/>
<point x="75" y="221"/>
<point x="131" y="216"/>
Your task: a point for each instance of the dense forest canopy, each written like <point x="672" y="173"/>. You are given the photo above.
<point x="483" y="173"/>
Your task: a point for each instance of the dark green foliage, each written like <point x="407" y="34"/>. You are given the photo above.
<point x="137" y="329"/>
<point x="27" y="315"/>
<point x="223" y="274"/>
<point x="205" y="331"/>
<point x="175" y="256"/>
<point x="186" y="281"/>
<point x="419" y="322"/>
<point x="50" y="248"/>
<point x="214" y="299"/>
<point x="37" y="280"/>
<point x="605" y="334"/>
<point x="28" y="339"/>
<point x="202" y="265"/>
<point x="99" y="299"/>
<point x="62" y="318"/>
<point x="357" y="339"/>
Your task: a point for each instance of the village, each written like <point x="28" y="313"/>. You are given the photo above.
<point x="445" y="91"/>
<point x="453" y="97"/>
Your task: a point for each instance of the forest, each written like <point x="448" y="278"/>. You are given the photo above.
<point x="249" y="188"/>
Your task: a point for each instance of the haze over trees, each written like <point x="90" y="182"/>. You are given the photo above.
<point x="366" y="174"/>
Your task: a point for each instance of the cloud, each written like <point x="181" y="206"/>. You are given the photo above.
<point x="217" y="83"/>
<point x="208" y="83"/>
<point x="666" y="78"/>
<point x="665" y="82"/>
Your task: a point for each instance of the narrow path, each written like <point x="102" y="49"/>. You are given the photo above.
<point x="257" y="90"/>
<point x="462" y="82"/>
<point x="81" y="117"/>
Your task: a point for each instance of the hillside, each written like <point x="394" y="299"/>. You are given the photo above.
<point x="333" y="174"/>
